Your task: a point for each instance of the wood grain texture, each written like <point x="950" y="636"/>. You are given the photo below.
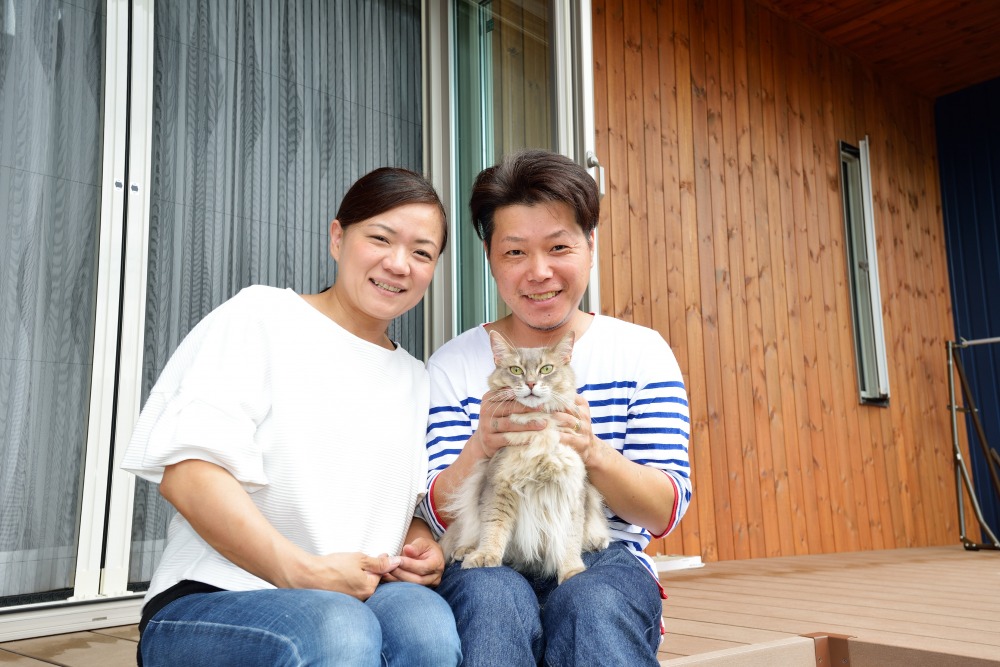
<point x="929" y="599"/>
<point x="719" y="122"/>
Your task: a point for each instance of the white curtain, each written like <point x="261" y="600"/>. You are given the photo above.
<point x="264" y="113"/>
<point x="51" y="67"/>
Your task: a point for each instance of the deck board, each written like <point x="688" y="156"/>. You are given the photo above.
<point x="934" y="599"/>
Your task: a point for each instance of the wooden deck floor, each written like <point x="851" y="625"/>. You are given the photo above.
<point x="941" y="599"/>
<point x="937" y="599"/>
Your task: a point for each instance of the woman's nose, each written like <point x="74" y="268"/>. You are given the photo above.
<point x="396" y="260"/>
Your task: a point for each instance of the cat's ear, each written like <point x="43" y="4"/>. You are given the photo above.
<point x="501" y="348"/>
<point x="564" y="348"/>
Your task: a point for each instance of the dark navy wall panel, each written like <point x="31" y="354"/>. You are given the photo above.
<point x="968" y="133"/>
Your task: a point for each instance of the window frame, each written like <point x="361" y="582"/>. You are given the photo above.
<point x="861" y="250"/>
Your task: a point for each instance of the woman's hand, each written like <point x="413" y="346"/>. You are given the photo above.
<point x="355" y="574"/>
<point x="222" y="513"/>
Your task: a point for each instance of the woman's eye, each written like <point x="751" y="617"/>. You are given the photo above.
<point x="380" y="239"/>
<point x="516" y="370"/>
<point x="559" y="248"/>
<point x="546" y="369"/>
<point x="424" y="254"/>
<point x="514" y="252"/>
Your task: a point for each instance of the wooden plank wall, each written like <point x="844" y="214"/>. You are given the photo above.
<point x="718" y="122"/>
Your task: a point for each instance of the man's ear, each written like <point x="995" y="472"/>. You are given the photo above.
<point x="336" y="237"/>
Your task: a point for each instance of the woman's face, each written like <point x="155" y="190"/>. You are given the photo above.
<point x="385" y="263"/>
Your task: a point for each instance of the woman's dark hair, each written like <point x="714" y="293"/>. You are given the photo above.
<point x="384" y="189"/>
<point x="532" y="177"/>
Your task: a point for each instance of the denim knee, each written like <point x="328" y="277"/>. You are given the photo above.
<point x="345" y="629"/>
<point x="608" y="614"/>
<point x="281" y="628"/>
<point x="497" y="615"/>
<point x="418" y="627"/>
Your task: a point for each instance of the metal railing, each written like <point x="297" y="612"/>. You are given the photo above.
<point x="992" y="457"/>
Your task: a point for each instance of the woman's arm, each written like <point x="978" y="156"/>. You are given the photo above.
<point x="222" y="513"/>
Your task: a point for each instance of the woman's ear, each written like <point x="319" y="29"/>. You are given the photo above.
<point x="336" y="237"/>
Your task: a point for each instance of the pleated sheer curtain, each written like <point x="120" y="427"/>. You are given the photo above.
<point x="264" y="113"/>
<point x="51" y="67"/>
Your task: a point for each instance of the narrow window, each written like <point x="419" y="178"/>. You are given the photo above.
<point x="862" y="267"/>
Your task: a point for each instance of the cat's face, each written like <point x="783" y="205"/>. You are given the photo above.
<point x="538" y="377"/>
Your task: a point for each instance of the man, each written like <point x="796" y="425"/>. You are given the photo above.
<point x="536" y="213"/>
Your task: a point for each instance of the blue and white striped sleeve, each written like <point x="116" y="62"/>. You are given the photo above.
<point x="658" y="426"/>
<point x="450" y="423"/>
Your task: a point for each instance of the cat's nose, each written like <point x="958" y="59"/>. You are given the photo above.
<point x="531" y="386"/>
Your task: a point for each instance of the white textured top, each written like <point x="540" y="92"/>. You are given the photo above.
<point x="323" y="429"/>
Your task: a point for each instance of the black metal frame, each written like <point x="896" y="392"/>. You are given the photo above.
<point x="992" y="458"/>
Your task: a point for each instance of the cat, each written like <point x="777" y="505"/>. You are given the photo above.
<point x="531" y="505"/>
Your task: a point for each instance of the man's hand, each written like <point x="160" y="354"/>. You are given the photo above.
<point x="496" y="407"/>
<point x="422" y="563"/>
<point x="576" y="431"/>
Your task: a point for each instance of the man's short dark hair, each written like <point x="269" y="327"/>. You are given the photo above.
<point x="532" y="177"/>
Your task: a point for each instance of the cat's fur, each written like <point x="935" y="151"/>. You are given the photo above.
<point x="530" y="506"/>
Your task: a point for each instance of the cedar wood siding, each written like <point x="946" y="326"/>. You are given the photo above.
<point x="718" y="123"/>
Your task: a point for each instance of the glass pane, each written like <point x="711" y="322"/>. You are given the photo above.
<point x="51" y="154"/>
<point x="264" y="113"/>
<point x="858" y="268"/>
<point x="504" y="92"/>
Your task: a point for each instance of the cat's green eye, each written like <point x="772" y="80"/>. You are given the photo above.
<point x="546" y="369"/>
<point x="516" y="370"/>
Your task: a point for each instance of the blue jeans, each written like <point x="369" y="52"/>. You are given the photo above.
<point x="608" y="614"/>
<point x="401" y="624"/>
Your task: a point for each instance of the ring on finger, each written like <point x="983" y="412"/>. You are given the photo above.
<point x="576" y="428"/>
<point x="494" y="425"/>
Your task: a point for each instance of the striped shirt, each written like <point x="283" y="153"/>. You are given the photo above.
<point x="638" y="405"/>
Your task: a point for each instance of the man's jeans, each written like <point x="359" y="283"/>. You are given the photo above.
<point x="607" y="615"/>
<point x="401" y="624"/>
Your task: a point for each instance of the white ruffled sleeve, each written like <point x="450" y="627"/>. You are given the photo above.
<point x="210" y="399"/>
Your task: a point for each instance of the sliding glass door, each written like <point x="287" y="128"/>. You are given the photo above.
<point x="51" y="156"/>
<point x="155" y="158"/>
<point x="264" y="113"/>
<point x="522" y="80"/>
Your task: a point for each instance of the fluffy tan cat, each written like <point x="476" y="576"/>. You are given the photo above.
<point x="530" y="506"/>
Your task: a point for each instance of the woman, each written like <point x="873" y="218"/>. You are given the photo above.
<point x="287" y="430"/>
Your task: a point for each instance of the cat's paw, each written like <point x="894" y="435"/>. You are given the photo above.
<point x="460" y="553"/>
<point x="596" y="542"/>
<point x="481" y="559"/>
<point x="563" y="575"/>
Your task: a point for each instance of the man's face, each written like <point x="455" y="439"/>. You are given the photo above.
<point x="541" y="260"/>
